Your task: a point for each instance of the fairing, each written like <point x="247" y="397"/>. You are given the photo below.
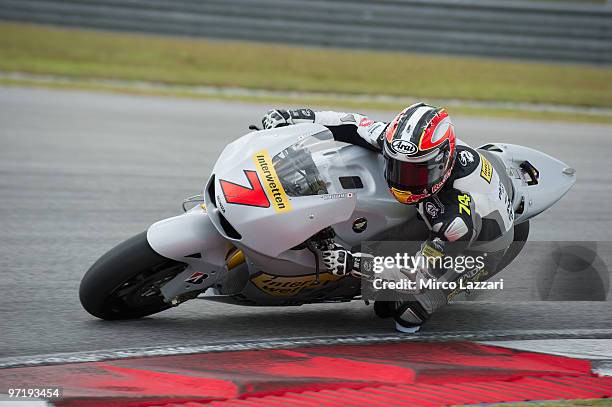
<point x="273" y="189"/>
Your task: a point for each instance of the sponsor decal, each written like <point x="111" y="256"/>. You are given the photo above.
<point x="220" y="205"/>
<point x="464" y="204"/>
<point x="365" y="122"/>
<point x="439" y="203"/>
<point x="404" y="147"/>
<point x="466" y="157"/>
<point x="252" y="195"/>
<point x="439" y="185"/>
<point x="327" y="197"/>
<point x="475" y="276"/>
<point x="359" y="225"/>
<point x="432" y="209"/>
<point x="289" y="286"/>
<point x="196" y="278"/>
<point x="429" y="251"/>
<point x="486" y="172"/>
<point x="272" y="185"/>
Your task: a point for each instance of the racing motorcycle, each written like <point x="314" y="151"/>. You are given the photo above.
<point x="274" y="199"/>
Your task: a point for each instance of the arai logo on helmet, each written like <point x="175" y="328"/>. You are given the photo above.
<point x="404" y="147"/>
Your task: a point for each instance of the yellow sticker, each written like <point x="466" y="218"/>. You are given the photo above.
<point x="288" y="286"/>
<point x="486" y="172"/>
<point x="431" y="252"/>
<point x="476" y="277"/>
<point x="274" y="189"/>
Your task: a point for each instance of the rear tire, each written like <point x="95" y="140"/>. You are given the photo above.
<point x="521" y="233"/>
<point x="125" y="282"/>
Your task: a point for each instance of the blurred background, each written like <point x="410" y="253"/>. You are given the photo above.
<point x="518" y="58"/>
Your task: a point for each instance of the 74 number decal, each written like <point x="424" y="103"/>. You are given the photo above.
<point x="464" y="204"/>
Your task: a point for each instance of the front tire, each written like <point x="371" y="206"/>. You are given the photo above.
<point x="125" y="282"/>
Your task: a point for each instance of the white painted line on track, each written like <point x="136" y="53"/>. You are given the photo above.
<point x="284" y="343"/>
<point x="6" y="401"/>
<point x="592" y="349"/>
<point x="603" y="368"/>
<point x="598" y="351"/>
<point x="300" y="95"/>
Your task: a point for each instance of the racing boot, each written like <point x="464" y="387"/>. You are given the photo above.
<point x="410" y="315"/>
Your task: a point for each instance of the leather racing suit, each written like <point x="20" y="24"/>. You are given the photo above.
<point x="471" y="213"/>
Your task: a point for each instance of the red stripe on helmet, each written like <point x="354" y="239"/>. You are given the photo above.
<point x="392" y="128"/>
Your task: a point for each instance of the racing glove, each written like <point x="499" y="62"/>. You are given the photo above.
<point x="341" y="262"/>
<point x="281" y="117"/>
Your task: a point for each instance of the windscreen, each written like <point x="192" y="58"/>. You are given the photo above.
<point x="303" y="167"/>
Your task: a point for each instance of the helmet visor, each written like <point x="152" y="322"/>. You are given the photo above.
<point x="417" y="178"/>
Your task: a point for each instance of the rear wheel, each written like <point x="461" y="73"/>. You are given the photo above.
<point x="125" y="283"/>
<point x="521" y="233"/>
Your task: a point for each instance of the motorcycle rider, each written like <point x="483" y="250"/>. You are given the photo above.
<point x="462" y="195"/>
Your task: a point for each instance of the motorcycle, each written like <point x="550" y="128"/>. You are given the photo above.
<point x="274" y="199"/>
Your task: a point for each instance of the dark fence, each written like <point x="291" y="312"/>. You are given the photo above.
<point x="514" y="29"/>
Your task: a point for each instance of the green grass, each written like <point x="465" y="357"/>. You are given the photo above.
<point x="565" y="403"/>
<point x="173" y="60"/>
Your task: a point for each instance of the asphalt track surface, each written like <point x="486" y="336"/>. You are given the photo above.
<point x="80" y="172"/>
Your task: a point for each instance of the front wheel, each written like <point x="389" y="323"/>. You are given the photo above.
<point x="125" y="283"/>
